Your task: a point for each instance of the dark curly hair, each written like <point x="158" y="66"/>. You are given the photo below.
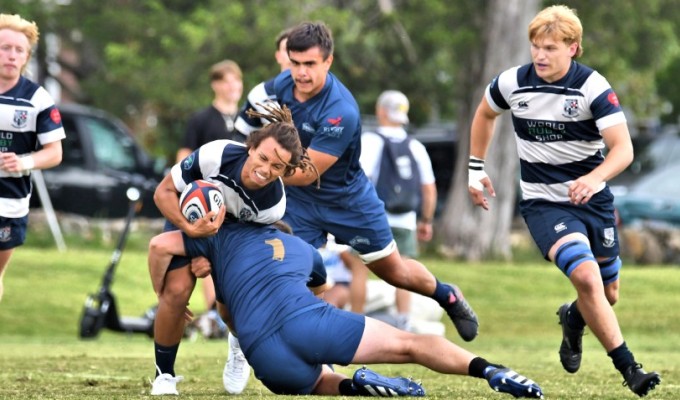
<point x="282" y="129"/>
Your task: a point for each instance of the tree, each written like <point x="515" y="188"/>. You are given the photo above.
<point x="467" y="231"/>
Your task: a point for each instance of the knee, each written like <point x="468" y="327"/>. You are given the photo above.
<point x="587" y="282"/>
<point x="176" y="292"/>
<point x="611" y="291"/>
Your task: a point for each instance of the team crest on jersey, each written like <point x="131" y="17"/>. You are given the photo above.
<point x="570" y="108"/>
<point x="5" y="234"/>
<point x="188" y="162"/>
<point x="609" y="240"/>
<point x="20" y="118"/>
<point x="245" y="214"/>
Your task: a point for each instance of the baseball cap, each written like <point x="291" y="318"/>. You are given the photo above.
<point x="396" y="104"/>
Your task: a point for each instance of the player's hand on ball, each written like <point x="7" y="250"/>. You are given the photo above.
<point x="207" y="225"/>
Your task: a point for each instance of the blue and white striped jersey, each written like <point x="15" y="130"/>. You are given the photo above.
<point x="221" y="162"/>
<point x="28" y="117"/>
<point x="557" y="125"/>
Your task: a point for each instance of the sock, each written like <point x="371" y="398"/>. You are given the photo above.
<point x="442" y="294"/>
<point x="622" y="357"/>
<point x="165" y="358"/>
<point x="574" y="318"/>
<point x="478" y="365"/>
<point x="348" y="388"/>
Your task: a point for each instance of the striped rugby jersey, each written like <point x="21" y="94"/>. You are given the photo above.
<point x="28" y="116"/>
<point x="557" y="125"/>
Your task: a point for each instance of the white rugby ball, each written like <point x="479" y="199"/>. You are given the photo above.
<point x="199" y="198"/>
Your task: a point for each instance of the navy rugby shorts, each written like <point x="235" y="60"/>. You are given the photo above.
<point x="290" y="360"/>
<point x="549" y="221"/>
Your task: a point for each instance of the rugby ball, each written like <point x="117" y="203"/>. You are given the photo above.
<point x="199" y="198"/>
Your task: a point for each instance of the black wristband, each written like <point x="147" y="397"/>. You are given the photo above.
<point x="476" y="164"/>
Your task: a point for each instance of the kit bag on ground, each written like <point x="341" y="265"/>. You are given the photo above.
<point x="398" y="183"/>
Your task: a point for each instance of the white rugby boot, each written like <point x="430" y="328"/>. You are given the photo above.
<point x="237" y="370"/>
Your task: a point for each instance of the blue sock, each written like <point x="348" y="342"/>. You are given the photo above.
<point x="442" y="294"/>
<point x="165" y="358"/>
<point x="574" y="318"/>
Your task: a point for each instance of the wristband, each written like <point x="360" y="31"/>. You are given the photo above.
<point x="476" y="164"/>
<point x="425" y="220"/>
<point x="476" y="173"/>
<point x="27" y="163"/>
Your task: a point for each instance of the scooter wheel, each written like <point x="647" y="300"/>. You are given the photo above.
<point x="89" y="323"/>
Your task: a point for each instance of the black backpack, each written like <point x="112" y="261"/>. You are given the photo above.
<point x="398" y="183"/>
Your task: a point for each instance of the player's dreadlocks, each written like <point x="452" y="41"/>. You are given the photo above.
<point x="282" y="129"/>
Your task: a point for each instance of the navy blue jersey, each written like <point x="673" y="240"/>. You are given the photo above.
<point x="221" y="162"/>
<point x="28" y="117"/>
<point x="329" y="122"/>
<point x="261" y="275"/>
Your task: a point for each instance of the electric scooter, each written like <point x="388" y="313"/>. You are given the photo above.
<point x="100" y="309"/>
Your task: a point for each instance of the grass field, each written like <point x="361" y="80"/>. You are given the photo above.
<point x="41" y="356"/>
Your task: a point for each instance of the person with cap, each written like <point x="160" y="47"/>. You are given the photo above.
<point x="343" y="203"/>
<point x="408" y="225"/>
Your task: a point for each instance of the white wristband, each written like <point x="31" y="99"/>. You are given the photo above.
<point x="475" y="177"/>
<point x="27" y="163"/>
<point x="476" y="173"/>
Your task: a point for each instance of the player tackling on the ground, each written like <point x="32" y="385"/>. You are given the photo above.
<point x="290" y="336"/>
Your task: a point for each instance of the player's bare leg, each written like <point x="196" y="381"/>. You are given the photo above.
<point x="5" y="255"/>
<point x="383" y="343"/>
<point x="412" y="275"/>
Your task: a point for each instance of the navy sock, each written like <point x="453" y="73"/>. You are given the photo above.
<point x="574" y="318"/>
<point x="348" y="388"/>
<point x="622" y="357"/>
<point x="477" y="367"/>
<point x="165" y="358"/>
<point x="442" y="294"/>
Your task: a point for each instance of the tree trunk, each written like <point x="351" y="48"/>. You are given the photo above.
<point x="466" y="231"/>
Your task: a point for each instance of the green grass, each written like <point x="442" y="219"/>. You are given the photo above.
<point x="41" y="356"/>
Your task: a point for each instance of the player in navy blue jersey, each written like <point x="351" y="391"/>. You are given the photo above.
<point x="346" y="204"/>
<point x="30" y="132"/>
<point x="564" y="115"/>
<point x="249" y="177"/>
<point x="290" y="336"/>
